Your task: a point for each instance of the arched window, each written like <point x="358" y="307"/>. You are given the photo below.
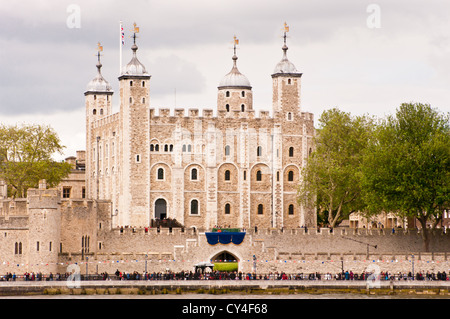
<point x="227" y="150"/>
<point x="291" y="210"/>
<point x="101" y="111"/>
<point x="194" y="207"/>
<point x="194" y="174"/>
<point x="258" y="176"/>
<point x="152" y="147"/>
<point x="94" y="112"/>
<point x="243" y="93"/>
<point x="131" y="100"/>
<point x="227" y="175"/>
<point x="242" y="108"/>
<point x="227" y="209"/>
<point x="166" y="148"/>
<point x="189" y="148"/>
<point x="143" y="84"/>
<point x="260" y="209"/>
<point x="184" y="148"/>
<point x="131" y="83"/>
<point x="160" y="173"/>
<point x="259" y="151"/>
<point x="227" y="94"/>
<point x="291" y="151"/>
<point x="289" y="81"/>
<point x="227" y="107"/>
<point x="290" y="176"/>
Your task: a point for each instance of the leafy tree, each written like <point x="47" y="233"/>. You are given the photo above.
<point x="25" y="157"/>
<point x="407" y="168"/>
<point x="331" y="178"/>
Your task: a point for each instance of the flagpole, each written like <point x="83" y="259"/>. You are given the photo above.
<point x="121" y="46"/>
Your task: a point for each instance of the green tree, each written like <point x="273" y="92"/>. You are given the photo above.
<point x="406" y="169"/>
<point x="26" y="157"/>
<point x="331" y="178"/>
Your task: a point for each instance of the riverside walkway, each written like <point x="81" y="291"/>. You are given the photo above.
<point x="224" y="286"/>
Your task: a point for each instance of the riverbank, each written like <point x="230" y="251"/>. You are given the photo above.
<point x="116" y="288"/>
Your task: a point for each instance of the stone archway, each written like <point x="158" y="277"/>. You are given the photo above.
<point x="225" y="261"/>
<point x="160" y="208"/>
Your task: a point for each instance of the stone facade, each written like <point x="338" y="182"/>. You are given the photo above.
<point x="239" y="168"/>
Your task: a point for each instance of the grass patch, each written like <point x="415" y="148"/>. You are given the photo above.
<point x="225" y="266"/>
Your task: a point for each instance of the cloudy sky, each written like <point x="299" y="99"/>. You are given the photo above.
<point x="364" y="57"/>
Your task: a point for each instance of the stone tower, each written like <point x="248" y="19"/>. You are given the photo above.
<point x="235" y="92"/>
<point x="98" y="98"/>
<point x="134" y="120"/>
<point x="44" y="227"/>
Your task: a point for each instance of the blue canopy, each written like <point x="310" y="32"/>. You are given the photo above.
<point x="225" y="238"/>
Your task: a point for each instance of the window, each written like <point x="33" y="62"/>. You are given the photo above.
<point x="143" y="100"/>
<point x="37" y="246"/>
<point x="160" y="173"/>
<point x="171" y="147"/>
<point x="242" y="108"/>
<point x="18" y="248"/>
<point x="166" y="148"/>
<point x="258" y="176"/>
<point x="289" y="116"/>
<point x="227" y="175"/>
<point x="156" y="147"/>
<point x="227" y="94"/>
<point x="189" y="148"/>
<point x="83" y="192"/>
<point x="194" y="174"/>
<point x="291" y="210"/>
<point x="291" y="151"/>
<point x="194" y="207"/>
<point x="291" y="176"/>
<point x="66" y="192"/>
<point x="260" y="209"/>
<point x="289" y="81"/>
<point x="245" y="175"/>
<point x="259" y="151"/>
<point x="131" y="83"/>
<point x="138" y="158"/>
<point x="94" y="112"/>
<point x="227" y="209"/>
<point x="243" y="93"/>
<point x="101" y="111"/>
<point x="152" y="147"/>
<point x="50" y="246"/>
<point x="278" y="176"/>
<point x="227" y="150"/>
<point x="131" y="100"/>
<point x="227" y="107"/>
<point x="143" y="84"/>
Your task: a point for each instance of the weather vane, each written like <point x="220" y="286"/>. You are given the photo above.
<point x="286" y="30"/>
<point x="135" y="30"/>
<point x="99" y="49"/>
<point x="235" y="43"/>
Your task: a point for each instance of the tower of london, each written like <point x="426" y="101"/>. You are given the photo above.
<point x="225" y="166"/>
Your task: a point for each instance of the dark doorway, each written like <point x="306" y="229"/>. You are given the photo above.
<point x="160" y="209"/>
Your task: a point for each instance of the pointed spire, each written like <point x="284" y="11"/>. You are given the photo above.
<point x="285" y="66"/>
<point x="99" y="84"/>
<point x="234" y="78"/>
<point x="135" y="67"/>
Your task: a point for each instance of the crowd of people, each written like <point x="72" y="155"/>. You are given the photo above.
<point x="221" y="275"/>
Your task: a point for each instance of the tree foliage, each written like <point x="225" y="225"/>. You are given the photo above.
<point x="407" y="168"/>
<point x="331" y="178"/>
<point x="26" y="157"/>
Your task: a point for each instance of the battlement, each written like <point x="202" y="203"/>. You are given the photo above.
<point x="113" y="118"/>
<point x="194" y="113"/>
